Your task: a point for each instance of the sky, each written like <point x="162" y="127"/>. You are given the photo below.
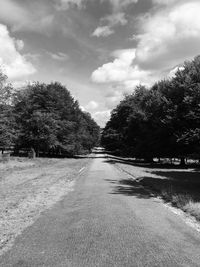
<point x="99" y="49"/>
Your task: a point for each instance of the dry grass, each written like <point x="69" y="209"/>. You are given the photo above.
<point x="28" y="187"/>
<point x="193" y="208"/>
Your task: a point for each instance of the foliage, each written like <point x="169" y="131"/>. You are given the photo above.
<point x="163" y="121"/>
<point x="7" y="122"/>
<point x="50" y="120"/>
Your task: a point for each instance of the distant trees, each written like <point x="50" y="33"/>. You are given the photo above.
<point x="163" y="121"/>
<point x="44" y="117"/>
<point x="51" y="121"/>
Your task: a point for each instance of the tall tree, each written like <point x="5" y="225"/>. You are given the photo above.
<point x="50" y="120"/>
<point x="7" y="122"/>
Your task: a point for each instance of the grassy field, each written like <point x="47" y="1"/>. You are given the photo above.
<point x="28" y="187"/>
<point x="179" y="186"/>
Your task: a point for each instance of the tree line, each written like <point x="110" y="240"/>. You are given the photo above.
<point x="163" y="121"/>
<point x="46" y="118"/>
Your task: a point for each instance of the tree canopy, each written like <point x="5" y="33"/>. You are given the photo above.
<point x="44" y="117"/>
<point x="7" y="122"/>
<point x="163" y="121"/>
<point x="49" y="119"/>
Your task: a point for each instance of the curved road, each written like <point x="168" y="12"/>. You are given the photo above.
<point x="106" y="221"/>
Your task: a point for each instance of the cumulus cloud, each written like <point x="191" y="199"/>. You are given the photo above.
<point x="121" y="70"/>
<point x="103" y="31"/>
<point x="14" y="64"/>
<point x="101" y="117"/>
<point x="168" y="36"/>
<point x="92" y="105"/>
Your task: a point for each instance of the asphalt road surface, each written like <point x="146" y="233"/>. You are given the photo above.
<point x="106" y="221"/>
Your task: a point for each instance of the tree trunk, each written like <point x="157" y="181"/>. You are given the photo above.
<point x="182" y="163"/>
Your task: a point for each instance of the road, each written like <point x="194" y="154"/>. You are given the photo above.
<point x="106" y="221"/>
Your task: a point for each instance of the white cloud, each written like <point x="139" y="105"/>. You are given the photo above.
<point x="82" y="108"/>
<point x="19" y="44"/>
<point x="112" y="21"/>
<point x="121" y="70"/>
<point x="103" y="31"/>
<point x="172" y="72"/>
<point x="22" y="83"/>
<point x="14" y="64"/>
<point x="92" y="105"/>
<point x="168" y="36"/>
<point x="101" y="117"/>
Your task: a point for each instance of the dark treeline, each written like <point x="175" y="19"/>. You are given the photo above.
<point x="46" y="118"/>
<point x="163" y="121"/>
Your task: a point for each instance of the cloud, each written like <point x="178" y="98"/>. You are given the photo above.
<point x="168" y="35"/>
<point x="116" y="18"/>
<point x="19" y="44"/>
<point x="167" y="2"/>
<point x="66" y="4"/>
<point x="101" y="117"/>
<point x="92" y="105"/>
<point x="112" y="21"/>
<point x="58" y="56"/>
<point x="32" y="15"/>
<point x="113" y="97"/>
<point x="172" y="72"/>
<point x="121" y="70"/>
<point x="14" y="64"/>
<point x="103" y="31"/>
<point x="118" y="5"/>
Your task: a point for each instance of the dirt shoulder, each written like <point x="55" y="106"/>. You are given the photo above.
<point x="28" y="187"/>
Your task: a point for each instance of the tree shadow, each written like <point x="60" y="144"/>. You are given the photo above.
<point x="129" y="187"/>
<point x="153" y="165"/>
<point x="175" y="185"/>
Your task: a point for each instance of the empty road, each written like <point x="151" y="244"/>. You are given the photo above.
<point x="106" y="221"/>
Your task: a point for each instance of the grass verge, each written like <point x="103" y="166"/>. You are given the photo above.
<point x="180" y="187"/>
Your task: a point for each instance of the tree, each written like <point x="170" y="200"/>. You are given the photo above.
<point x="7" y="122"/>
<point x="163" y="121"/>
<point x="51" y="121"/>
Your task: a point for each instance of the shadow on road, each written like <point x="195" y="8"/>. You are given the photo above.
<point x="129" y="187"/>
<point x="177" y="185"/>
